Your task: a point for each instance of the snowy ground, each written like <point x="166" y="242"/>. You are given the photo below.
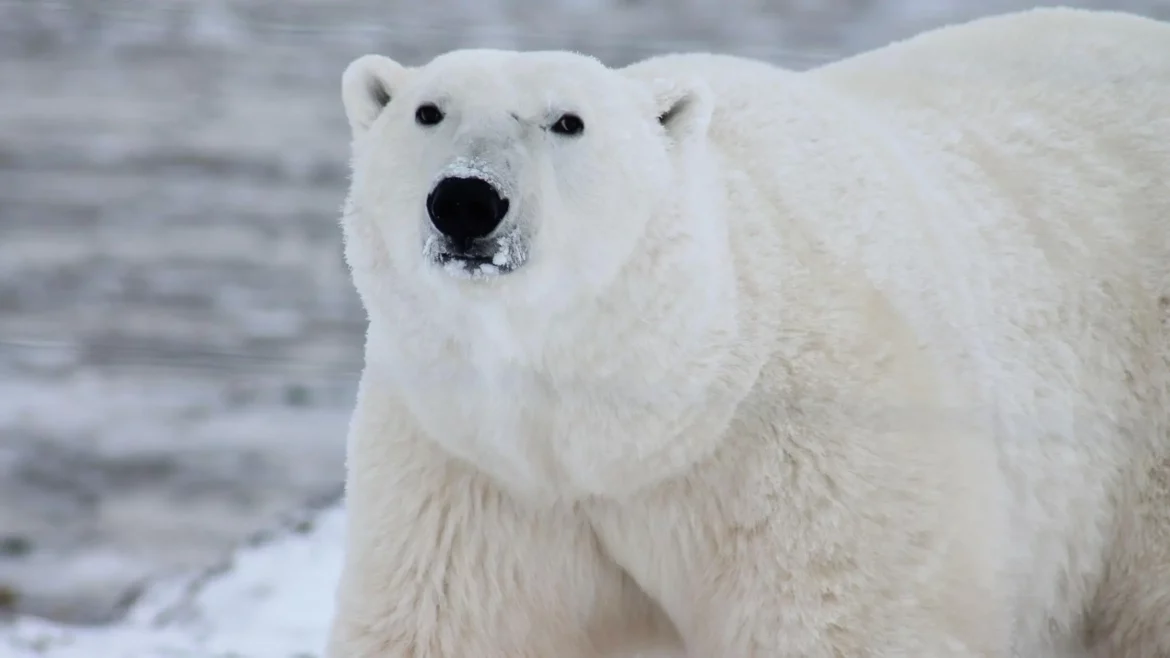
<point x="179" y="341"/>
<point x="248" y="606"/>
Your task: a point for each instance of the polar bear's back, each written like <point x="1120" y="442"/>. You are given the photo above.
<point x="1004" y="182"/>
<point x="1046" y="135"/>
<point x="1104" y="71"/>
<point x="1062" y="113"/>
<point x="1043" y="44"/>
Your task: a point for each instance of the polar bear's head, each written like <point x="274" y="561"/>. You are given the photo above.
<point x="540" y="244"/>
<point x="529" y="175"/>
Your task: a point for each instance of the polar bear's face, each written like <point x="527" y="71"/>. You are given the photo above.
<point x="492" y="169"/>
<point x="509" y="215"/>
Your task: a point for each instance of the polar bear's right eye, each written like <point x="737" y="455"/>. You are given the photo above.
<point x="428" y="114"/>
<point x="568" y="124"/>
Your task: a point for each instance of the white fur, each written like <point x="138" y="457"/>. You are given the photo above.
<point x="871" y="360"/>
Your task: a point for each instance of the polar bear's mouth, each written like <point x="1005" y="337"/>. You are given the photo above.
<point x="479" y="258"/>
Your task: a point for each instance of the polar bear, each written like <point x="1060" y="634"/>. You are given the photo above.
<point x="706" y="357"/>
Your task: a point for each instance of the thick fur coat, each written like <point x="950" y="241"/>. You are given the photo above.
<point x="867" y="360"/>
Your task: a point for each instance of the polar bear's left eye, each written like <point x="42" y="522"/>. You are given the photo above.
<point x="428" y="114"/>
<point x="568" y="124"/>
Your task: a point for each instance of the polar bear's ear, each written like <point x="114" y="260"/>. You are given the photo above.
<point x="684" y="107"/>
<point x="367" y="86"/>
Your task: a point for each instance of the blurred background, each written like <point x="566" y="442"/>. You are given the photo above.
<point x="179" y="340"/>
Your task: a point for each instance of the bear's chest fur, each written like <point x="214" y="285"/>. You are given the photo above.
<point x="548" y="414"/>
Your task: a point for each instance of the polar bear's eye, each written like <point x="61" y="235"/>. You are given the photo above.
<point x="568" y="124"/>
<point x="428" y="114"/>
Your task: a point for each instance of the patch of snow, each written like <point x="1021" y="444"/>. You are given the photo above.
<point x="274" y="599"/>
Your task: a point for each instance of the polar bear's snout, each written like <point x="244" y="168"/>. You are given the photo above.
<point x="465" y="209"/>
<point x="473" y="230"/>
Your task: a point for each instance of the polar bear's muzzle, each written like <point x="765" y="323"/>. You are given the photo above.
<point x="467" y="208"/>
<point x="464" y="209"/>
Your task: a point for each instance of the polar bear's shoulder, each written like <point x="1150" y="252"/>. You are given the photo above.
<point x="1058" y="45"/>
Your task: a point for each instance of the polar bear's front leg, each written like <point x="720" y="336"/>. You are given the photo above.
<point x="812" y="545"/>
<point x="442" y="564"/>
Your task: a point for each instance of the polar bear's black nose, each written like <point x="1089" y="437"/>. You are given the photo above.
<point x="466" y="208"/>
